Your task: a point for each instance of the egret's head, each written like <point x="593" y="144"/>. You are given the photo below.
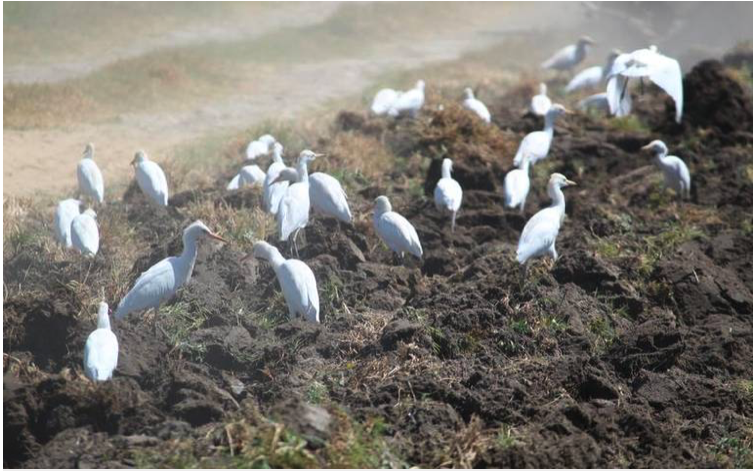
<point x="420" y="85"/>
<point x="197" y="230"/>
<point x="139" y="157"/>
<point x="307" y="156"/>
<point x="468" y="93"/>
<point x="89" y="150"/>
<point x="613" y="55"/>
<point x="543" y="89"/>
<point x="90" y="212"/>
<point x="103" y="319"/>
<point x="382" y="205"/>
<point x="656" y="147"/>
<point x="560" y="181"/>
<point x="267" y="139"/>
<point x="278" y="148"/>
<point x="557" y="110"/>
<point x="586" y="40"/>
<point x="653" y="48"/>
<point x="261" y="250"/>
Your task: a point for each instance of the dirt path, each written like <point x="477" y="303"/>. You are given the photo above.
<point x="31" y="156"/>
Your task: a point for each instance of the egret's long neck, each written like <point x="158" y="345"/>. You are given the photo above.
<point x="276" y="259"/>
<point x="188" y="257"/>
<point x="525" y="165"/>
<point x="660" y="157"/>
<point x="557" y="197"/>
<point x="550" y="121"/>
<point x="277" y="157"/>
<point x="445" y="171"/>
<point x="103" y="320"/>
<point x="301" y="170"/>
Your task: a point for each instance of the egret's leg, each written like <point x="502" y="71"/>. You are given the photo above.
<point x="296" y="249"/>
<point x="453" y="221"/>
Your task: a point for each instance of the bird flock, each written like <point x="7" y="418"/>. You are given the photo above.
<point x="292" y="195"/>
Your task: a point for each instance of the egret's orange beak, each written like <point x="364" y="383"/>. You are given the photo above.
<point x="568" y="111"/>
<point x="647" y="147"/>
<point x="570" y="183"/>
<point x="216" y="237"/>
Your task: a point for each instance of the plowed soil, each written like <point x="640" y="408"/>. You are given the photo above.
<point x="633" y="350"/>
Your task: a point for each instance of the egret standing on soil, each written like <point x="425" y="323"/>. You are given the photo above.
<point x="393" y="229"/>
<point x="516" y="185"/>
<point x="259" y="147"/>
<point x="249" y="175"/>
<point x="538" y="143"/>
<point x="473" y="104"/>
<point x="101" y="349"/>
<point x="661" y="70"/>
<point x="675" y="171"/>
<point x="89" y="176"/>
<point x="410" y="102"/>
<point x="151" y="179"/>
<point x="85" y="236"/>
<point x="293" y="212"/>
<point x="296" y="280"/>
<point x="162" y="280"/>
<point x="568" y="57"/>
<point x="65" y="213"/>
<point x="448" y="193"/>
<point x="540" y="103"/>
<point x="539" y="235"/>
<point x="383" y="101"/>
<point x="591" y="77"/>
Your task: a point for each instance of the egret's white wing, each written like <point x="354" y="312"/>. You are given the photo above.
<point x="234" y="183"/>
<point x="272" y="173"/>
<point x="410" y="101"/>
<point x="257" y="149"/>
<point x="327" y="196"/>
<point x="90" y="179"/>
<point x="516" y="185"/>
<point x="65" y="213"/>
<point x="539" y="234"/>
<point x="618" y="96"/>
<point x="293" y="212"/>
<point x="251" y="175"/>
<point x="152" y="181"/>
<point x="100" y="355"/>
<point x="667" y="74"/>
<point x="85" y="235"/>
<point x="153" y="286"/>
<point x="562" y="59"/>
<point x="300" y="289"/>
<point x="383" y="101"/>
<point x="448" y="194"/>
<point x="399" y="234"/>
<point x="478" y="108"/>
<point x="588" y="78"/>
<point x="536" y="143"/>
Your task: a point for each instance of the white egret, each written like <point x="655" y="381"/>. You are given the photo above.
<point x="473" y="104"/>
<point x="293" y="212"/>
<point x="328" y="197"/>
<point x="296" y="280"/>
<point x="539" y="235"/>
<point x="162" y="280"/>
<point x="151" y="179"/>
<point x="540" y="103"/>
<point x="568" y="57"/>
<point x="410" y="102"/>
<point x="259" y="147"/>
<point x="591" y="77"/>
<point x="85" y="236"/>
<point x="101" y="349"/>
<point x="538" y="143"/>
<point x="274" y="192"/>
<point x="675" y="171"/>
<point x="661" y="70"/>
<point x="65" y="213"/>
<point x="599" y="101"/>
<point x="89" y="176"/>
<point x="393" y="229"/>
<point x="383" y="101"/>
<point x="249" y="175"/>
<point x="448" y="193"/>
<point x="516" y="185"/>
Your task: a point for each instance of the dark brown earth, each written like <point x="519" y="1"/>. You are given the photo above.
<point x="634" y="350"/>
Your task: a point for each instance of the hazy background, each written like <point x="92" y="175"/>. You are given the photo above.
<point x="169" y="78"/>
